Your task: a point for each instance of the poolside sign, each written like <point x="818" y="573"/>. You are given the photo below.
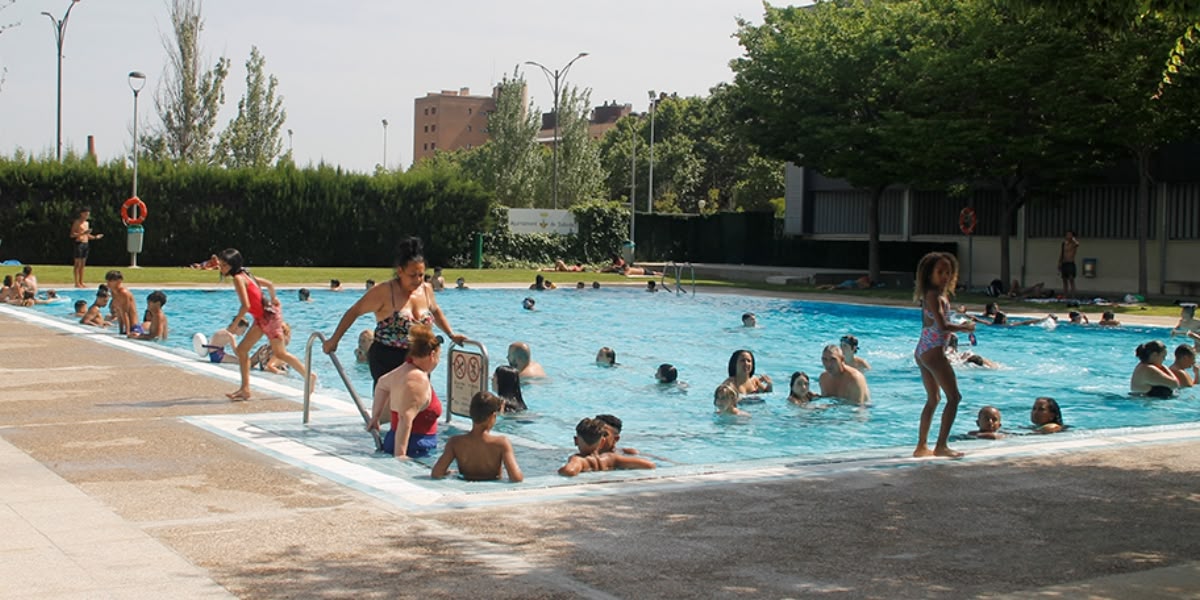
<point x="541" y="220"/>
<point x="466" y="377"/>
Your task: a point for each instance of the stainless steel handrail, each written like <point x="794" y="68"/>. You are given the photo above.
<point x="337" y="364"/>
<point x="677" y="269"/>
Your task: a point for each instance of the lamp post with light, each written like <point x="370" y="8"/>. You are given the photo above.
<point x="60" y="32"/>
<point x="650" y="193"/>
<point x="385" y="124"/>
<point x="135" y="232"/>
<point x="556" y="77"/>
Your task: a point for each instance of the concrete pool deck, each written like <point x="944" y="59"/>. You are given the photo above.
<point x="108" y="493"/>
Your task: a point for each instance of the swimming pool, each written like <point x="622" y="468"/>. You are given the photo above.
<point x="1085" y="368"/>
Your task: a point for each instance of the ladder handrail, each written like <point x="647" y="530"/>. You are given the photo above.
<point x="337" y="364"/>
<point x="678" y="270"/>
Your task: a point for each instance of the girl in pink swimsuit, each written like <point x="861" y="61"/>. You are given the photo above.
<point x="937" y="276"/>
<point x="268" y="318"/>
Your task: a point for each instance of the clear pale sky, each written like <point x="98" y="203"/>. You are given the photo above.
<point x="344" y="66"/>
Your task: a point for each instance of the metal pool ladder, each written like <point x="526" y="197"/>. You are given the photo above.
<point x="676" y="270"/>
<point x="337" y="364"/>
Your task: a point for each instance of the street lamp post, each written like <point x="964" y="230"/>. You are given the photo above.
<point x="632" y="190"/>
<point x="385" y="144"/>
<point x="555" y="78"/>
<point x="650" y="193"/>
<point x="137" y="81"/>
<point x="290" y="142"/>
<point x="60" y="31"/>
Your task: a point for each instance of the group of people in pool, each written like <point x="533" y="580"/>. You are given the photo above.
<point x="936" y="279"/>
<point x="403" y="350"/>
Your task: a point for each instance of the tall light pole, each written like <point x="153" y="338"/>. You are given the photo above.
<point x="60" y="31"/>
<point x="556" y="77"/>
<point x="650" y="193"/>
<point x="290" y="142"/>
<point x="385" y="144"/>
<point x="632" y="189"/>
<point x="137" y="81"/>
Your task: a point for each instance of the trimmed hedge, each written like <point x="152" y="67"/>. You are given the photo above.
<point x="281" y="216"/>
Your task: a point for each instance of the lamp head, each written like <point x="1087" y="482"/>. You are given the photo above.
<point x="137" y="79"/>
<point x="385" y="122"/>
<point x="581" y="54"/>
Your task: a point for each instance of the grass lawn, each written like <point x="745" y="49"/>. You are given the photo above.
<point x="353" y="277"/>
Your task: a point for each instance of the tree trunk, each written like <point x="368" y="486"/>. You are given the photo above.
<point x="1143" y="216"/>
<point x="873" y="233"/>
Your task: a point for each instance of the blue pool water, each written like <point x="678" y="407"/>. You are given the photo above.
<point x="1085" y="368"/>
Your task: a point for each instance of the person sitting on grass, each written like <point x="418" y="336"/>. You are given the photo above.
<point x="988" y="422"/>
<point x="590" y="437"/>
<point x="617" y="266"/>
<point x="480" y="455"/>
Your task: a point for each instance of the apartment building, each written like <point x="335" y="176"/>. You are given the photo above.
<point x="449" y="120"/>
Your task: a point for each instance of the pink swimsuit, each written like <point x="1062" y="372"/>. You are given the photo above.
<point x="931" y="335"/>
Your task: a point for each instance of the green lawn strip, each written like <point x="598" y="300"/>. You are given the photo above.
<point x="354" y="277"/>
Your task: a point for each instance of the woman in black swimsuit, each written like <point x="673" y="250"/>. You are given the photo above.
<point x="398" y="304"/>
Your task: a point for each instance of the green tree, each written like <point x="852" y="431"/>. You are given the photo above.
<point x="1140" y="125"/>
<point x="511" y="162"/>
<point x="817" y="86"/>
<point x="580" y="177"/>
<point x="190" y="97"/>
<point x="1012" y="98"/>
<point x="252" y="138"/>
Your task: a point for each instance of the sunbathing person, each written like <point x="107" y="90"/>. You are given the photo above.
<point x="560" y="266"/>
<point x="208" y="265"/>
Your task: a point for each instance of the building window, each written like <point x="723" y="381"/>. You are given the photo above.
<point x="468" y="129"/>
<point x="469" y="146"/>
<point x="469" y="110"/>
<point x="426" y="129"/>
<point x="433" y="111"/>
<point x="433" y="145"/>
<point x="424" y="146"/>
<point x="433" y="127"/>
<point x="427" y="110"/>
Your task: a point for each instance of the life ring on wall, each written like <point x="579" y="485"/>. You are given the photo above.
<point x="967" y="220"/>
<point x="141" y="211"/>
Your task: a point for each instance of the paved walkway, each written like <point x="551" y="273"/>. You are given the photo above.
<point x="106" y="492"/>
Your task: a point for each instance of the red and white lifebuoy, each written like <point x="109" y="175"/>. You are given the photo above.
<point x="140" y="212"/>
<point x="967" y="220"/>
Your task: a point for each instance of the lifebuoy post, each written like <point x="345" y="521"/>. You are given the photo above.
<point x="967" y="221"/>
<point x="133" y="214"/>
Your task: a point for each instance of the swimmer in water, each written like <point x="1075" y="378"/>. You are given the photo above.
<point x="1046" y="416"/>
<point x="1150" y="377"/>
<point x="988" y="422"/>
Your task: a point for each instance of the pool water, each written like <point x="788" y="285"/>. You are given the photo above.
<point x="1085" y="368"/>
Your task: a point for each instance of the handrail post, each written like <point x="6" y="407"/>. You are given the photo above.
<point x="337" y="364"/>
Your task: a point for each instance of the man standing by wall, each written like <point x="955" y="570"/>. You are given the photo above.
<point x="1066" y="263"/>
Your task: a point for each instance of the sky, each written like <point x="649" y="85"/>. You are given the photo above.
<point x="345" y="66"/>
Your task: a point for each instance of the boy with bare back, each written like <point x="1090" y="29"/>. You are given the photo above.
<point x="81" y="234"/>
<point x="480" y="454"/>
<point x="590" y="439"/>
<point x="124" y="305"/>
